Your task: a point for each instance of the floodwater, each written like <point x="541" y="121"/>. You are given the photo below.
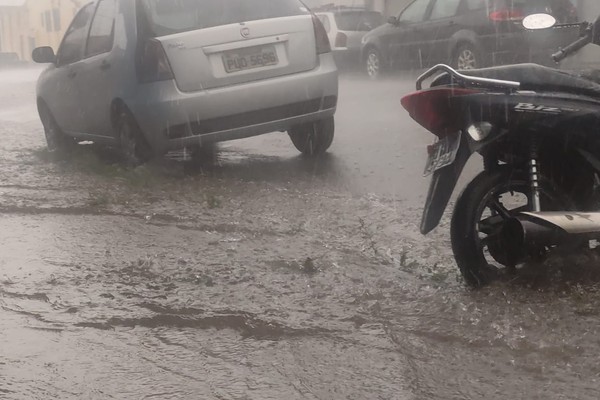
<point x="263" y="275"/>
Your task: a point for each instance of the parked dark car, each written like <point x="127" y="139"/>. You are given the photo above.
<point x="466" y="34"/>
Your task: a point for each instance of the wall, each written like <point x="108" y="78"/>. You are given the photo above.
<point x="37" y="23"/>
<point x="11" y="21"/>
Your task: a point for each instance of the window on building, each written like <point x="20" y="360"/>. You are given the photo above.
<point x="56" y="19"/>
<point x="71" y="48"/>
<point x="102" y="30"/>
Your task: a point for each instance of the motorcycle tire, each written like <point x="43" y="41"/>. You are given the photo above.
<point x="467" y="246"/>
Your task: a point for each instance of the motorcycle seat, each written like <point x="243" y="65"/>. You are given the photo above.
<point x="539" y="78"/>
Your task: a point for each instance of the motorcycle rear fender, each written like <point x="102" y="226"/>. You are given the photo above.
<point x="443" y="182"/>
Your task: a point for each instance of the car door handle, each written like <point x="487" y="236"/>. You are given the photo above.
<point x="71" y="74"/>
<point x="105" y="65"/>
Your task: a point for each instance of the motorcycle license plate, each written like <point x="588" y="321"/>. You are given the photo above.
<point x="442" y="153"/>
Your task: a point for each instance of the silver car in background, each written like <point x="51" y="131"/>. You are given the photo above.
<point x="345" y="27"/>
<point x="150" y="76"/>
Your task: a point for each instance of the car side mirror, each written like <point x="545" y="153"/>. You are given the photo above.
<point x="43" y="55"/>
<point x="393" y="21"/>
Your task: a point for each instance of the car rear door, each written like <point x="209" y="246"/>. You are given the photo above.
<point x="404" y="39"/>
<point x="98" y="71"/>
<point x="64" y="96"/>
<point x="219" y="43"/>
<point x="436" y="33"/>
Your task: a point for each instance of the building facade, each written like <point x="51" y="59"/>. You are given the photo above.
<point x="27" y="24"/>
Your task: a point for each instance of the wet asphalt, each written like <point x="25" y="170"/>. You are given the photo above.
<point x="264" y="275"/>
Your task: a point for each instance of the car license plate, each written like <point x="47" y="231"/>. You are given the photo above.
<point x="442" y="153"/>
<point x="253" y="57"/>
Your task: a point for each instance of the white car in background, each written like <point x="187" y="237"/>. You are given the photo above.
<point x="149" y="76"/>
<point x="345" y="27"/>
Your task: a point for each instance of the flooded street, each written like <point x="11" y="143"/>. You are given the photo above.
<point x="265" y="275"/>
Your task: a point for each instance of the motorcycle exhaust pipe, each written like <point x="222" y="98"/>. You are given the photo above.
<point x="535" y="230"/>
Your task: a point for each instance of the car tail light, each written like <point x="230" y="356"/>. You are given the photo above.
<point x="507" y="14"/>
<point x="153" y="65"/>
<point x="322" y="41"/>
<point x="432" y="109"/>
<point x="341" y="40"/>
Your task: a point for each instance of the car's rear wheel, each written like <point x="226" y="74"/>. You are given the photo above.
<point x="466" y="57"/>
<point x="134" y="148"/>
<point x="374" y="64"/>
<point x="314" y="138"/>
<point x="56" y="139"/>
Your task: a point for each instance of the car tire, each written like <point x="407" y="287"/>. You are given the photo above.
<point x="466" y="57"/>
<point x="374" y="64"/>
<point x="56" y="139"/>
<point x="133" y="146"/>
<point x="315" y="138"/>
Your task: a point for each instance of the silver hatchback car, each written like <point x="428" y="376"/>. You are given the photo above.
<point x="150" y="76"/>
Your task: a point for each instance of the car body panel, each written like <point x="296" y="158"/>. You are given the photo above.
<point x="292" y="38"/>
<point x="161" y="106"/>
<point x="62" y="96"/>
<point x="101" y="70"/>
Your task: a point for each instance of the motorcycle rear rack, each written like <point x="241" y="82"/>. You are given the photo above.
<point x="466" y="80"/>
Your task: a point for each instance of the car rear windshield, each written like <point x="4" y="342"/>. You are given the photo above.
<point x="165" y="17"/>
<point x="358" y="21"/>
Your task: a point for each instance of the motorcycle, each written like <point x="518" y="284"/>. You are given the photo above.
<point x="538" y="132"/>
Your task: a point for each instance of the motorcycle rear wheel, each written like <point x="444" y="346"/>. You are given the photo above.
<point x="479" y="213"/>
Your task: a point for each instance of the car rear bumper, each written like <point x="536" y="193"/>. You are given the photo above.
<point x="171" y="119"/>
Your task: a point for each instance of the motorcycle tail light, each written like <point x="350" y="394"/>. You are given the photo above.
<point x="433" y="110"/>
